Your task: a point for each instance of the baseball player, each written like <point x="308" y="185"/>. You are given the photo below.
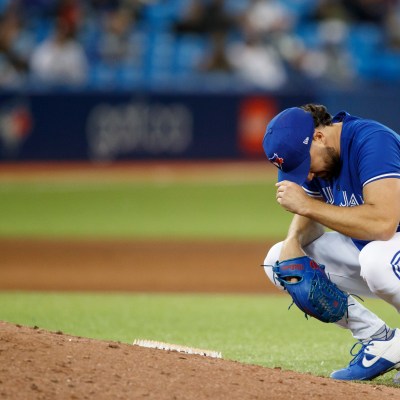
<point x="341" y="173"/>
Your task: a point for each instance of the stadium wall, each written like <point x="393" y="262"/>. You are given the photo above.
<point x="123" y="126"/>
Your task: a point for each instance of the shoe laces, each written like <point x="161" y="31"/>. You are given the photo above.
<point x="360" y="352"/>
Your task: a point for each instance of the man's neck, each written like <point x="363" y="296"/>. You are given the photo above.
<point x="337" y="134"/>
<point x="333" y="134"/>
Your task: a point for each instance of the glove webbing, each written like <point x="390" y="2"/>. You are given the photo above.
<point x="321" y="303"/>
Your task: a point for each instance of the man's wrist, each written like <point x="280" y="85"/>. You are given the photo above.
<point x="309" y="208"/>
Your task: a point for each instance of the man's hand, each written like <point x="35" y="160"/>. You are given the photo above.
<point x="292" y="197"/>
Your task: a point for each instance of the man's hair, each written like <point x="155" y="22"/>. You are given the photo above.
<point x="319" y="113"/>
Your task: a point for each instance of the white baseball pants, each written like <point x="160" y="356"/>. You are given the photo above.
<point x="372" y="272"/>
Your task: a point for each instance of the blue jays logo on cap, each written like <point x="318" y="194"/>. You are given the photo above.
<point x="287" y="143"/>
<point x="277" y="161"/>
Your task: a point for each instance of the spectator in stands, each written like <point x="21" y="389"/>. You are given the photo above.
<point x="328" y="10"/>
<point x="258" y="63"/>
<point x="267" y="17"/>
<point x="210" y="18"/>
<point x="15" y="45"/>
<point x="392" y="27"/>
<point x="70" y="12"/>
<point x="60" y="60"/>
<point x="257" y="58"/>
<point x="205" y="16"/>
<point x="331" y="61"/>
<point x="115" y="41"/>
<point x="326" y="60"/>
<point x="217" y="59"/>
<point x="372" y="11"/>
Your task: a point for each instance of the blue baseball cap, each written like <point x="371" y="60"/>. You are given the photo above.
<point x="287" y="143"/>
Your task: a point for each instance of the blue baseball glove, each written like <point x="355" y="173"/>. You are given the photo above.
<point x="311" y="289"/>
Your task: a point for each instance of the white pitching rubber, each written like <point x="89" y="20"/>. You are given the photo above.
<point x="174" y="347"/>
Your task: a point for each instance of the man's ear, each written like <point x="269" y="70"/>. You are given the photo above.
<point x="319" y="136"/>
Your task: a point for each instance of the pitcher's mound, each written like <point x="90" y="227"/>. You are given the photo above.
<point x="38" y="364"/>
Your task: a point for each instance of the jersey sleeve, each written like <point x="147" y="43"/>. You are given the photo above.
<point x="312" y="189"/>
<point x="378" y="157"/>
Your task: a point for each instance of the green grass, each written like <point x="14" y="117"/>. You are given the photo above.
<point x="251" y="329"/>
<point x="147" y="210"/>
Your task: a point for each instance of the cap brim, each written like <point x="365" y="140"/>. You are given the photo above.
<point x="297" y="175"/>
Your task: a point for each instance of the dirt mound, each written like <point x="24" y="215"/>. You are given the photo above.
<point x="38" y="364"/>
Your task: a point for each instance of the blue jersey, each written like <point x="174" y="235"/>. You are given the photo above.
<point x="369" y="151"/>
